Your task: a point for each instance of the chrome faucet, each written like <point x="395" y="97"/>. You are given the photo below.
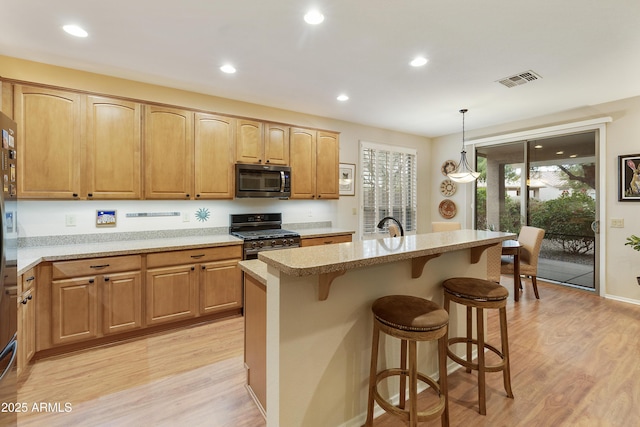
<point x="383" y="220"/>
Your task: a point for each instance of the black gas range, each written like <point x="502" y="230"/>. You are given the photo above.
<point x="261" y="232"/>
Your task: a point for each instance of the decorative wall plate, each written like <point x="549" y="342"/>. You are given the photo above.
<point x="448" y="166"/>
<point x="447" y="209"/>
<point x="447" y="188"/>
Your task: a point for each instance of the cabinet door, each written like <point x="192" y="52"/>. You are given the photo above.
<point x="49" y="132"/>
<point x="168" y="153"/>
<point x="113" y="149"/>
<point x="303" y="163"/>
<point x="74" y="310"/>
<point x="214" y="156"/>
<point x="276" y="144"/>
<point x="327" y="165"/>
<point x="249" y="142"/>
<point x="171" y="294"/>
<point x="121" y="302"/>
<point x="26" y="328"/>
<point x="220" y="286"/>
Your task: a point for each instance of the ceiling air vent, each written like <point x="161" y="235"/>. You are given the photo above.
<point x="519" y="79"/>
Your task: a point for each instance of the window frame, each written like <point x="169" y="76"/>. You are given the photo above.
<point x="408" y="197"/>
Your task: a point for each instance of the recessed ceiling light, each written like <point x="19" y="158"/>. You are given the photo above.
<point x="573" y="156"/>
<point x="538" y="146"/>
<point x="342" y="97"/>
<point x="74" y="30"/>
<point x="228" y="68"/>
<point x="313" y="17"/>
<point x="559" y="152"/>
<point x="418" y="61"/>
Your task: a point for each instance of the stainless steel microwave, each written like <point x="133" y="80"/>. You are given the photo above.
<point x="263" y="181"/>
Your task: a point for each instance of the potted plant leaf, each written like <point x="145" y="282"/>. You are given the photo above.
<point x="634" y="242"/>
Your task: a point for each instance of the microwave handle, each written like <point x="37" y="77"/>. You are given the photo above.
<point x="282" y="181"/>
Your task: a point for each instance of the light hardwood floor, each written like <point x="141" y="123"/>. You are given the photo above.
<point x="574" y="363"/>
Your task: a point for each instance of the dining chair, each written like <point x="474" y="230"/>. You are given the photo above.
<point x="445" y="226"/>
<point x="531" y="240"/>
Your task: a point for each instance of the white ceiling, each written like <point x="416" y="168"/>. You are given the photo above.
<point x="587" y="52"/>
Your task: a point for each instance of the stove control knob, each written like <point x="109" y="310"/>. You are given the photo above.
<point x="261" y="243"/>
<point x="253" y="245"/>
<point x="291" y="241"/>
<point x="273" y="243"/>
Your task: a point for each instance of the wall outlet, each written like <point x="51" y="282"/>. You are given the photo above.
<point x="354" y="211"/>
<point x="70" y="220"/>
<point x="617" y="222"/>
<point x="310" y="214"/>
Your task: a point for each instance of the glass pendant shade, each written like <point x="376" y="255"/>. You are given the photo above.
<point x="463" y="173"/>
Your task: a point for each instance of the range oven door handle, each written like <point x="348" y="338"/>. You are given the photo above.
<point x="11" y="347"/>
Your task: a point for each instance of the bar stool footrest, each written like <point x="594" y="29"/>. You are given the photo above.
<point x="470" y="365"/>
<point x="433" y="412"/>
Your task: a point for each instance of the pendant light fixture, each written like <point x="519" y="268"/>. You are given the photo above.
<point x="463" y="173"/>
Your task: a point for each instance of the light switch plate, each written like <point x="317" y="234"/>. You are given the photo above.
<point x="617" y="222"/>
<point x="70" y="220"/>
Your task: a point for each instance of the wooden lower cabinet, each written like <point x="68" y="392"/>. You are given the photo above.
<point x="328" y="240"/>
<point x="220" y="286"/>
<point x="171" y="294"/>
<point x="74" y="310"/>
<point x="97" y="298"/>
<point x="122" y="302"/>
<point x="26" y="329"/>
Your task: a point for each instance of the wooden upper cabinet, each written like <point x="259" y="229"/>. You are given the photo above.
<point x="303" y="165"/>
<point x="262" y="143"/>
<point x="113" y="149"/>
<point x="327" y="165"/>
<point x="314" y="157"/>
<point x="6" y="98"/>
<point x="49" y="133"/>
<point x="168" y="153"/>
<point x="249" y="141"/>
<point x="214" y="156"/>
<point x="276" y="144"/>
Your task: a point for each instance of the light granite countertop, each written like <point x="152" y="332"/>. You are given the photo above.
<point x="255" y="268"/>
<point x="314" y="260"/>
<point x="31" y="255"/>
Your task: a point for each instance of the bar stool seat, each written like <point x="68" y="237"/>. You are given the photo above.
<point x="410" y="319"/>
<point x="480" y="294"/>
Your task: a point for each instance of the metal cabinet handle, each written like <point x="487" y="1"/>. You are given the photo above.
<point x="30" y="279"/>
<point x="197" y="256"/>
<point x="106" y="279"/>
<point x="99" y="266"/>
<point x="91" y="281"/>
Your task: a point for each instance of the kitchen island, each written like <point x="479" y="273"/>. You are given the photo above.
<point x="318" y="320"/>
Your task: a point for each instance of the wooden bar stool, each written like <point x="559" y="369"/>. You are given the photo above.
<point x="411" y="319"/>
<point x="480" y="294"/>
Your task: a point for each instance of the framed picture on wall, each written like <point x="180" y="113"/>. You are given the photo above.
<point x="346" y="179"/>
<point x="629" y="178"/>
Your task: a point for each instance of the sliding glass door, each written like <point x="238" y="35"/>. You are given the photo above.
<point x="547" y="183"/>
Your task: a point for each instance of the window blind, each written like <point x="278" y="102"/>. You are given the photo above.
<point x="388" y="186"/>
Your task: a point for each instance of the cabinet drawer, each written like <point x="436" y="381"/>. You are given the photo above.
<point x="190" y="256"/>
<point x="27" y="280"/>
<point x="315" y="241"/>
<point x="94" y="266"/>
